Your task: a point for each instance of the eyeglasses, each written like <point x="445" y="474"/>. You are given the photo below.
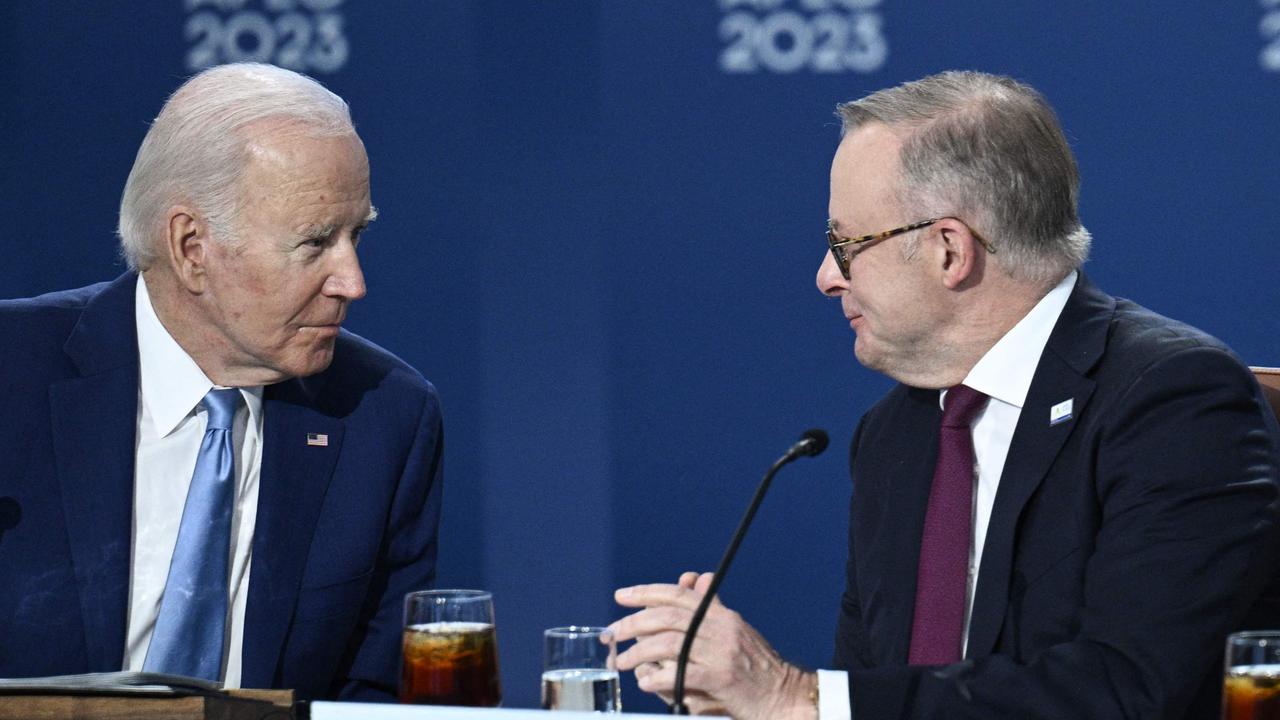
<point x="842" y="248"/>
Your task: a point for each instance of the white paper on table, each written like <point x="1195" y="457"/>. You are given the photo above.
<point x="376" y="711"/>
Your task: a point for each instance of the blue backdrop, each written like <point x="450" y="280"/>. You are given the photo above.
<point x="601" y="222"/>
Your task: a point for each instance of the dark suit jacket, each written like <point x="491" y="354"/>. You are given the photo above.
<point x="1123" y="546"/>
<point x="343" y="531"/>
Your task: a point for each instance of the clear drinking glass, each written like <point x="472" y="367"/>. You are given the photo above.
<point x="1251" y="687"/>
<point x="450" y="649"/>
<point x="580" y="671"/>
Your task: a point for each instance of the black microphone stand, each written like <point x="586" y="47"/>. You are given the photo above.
<point x="812" y="443"/>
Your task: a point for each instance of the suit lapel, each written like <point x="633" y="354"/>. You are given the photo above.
<point x="890" y="588"/>
<point x="294" y="478"/>
<point x="94" y="424"/>
<point x="1076" y="344"/>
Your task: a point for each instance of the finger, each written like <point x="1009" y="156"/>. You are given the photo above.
<point x="714" y="648"/>
<point x="704" y="582"/>
<point x="702" y="704"/>
<point x="649" y="668"/>
<point x="709" y="706"/>
<point x="657" y="594"/>
<point x="653" y="649"/>
<point x="720" y="626"/>
<point x="664" y="695"/>
<point x="662" y="679"/>
<point x="687" y="580"/>
<point x="650" y="621"/>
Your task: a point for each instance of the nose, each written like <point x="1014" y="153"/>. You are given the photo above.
<point x="346" y="279"/>
<point x="830" y="282"/>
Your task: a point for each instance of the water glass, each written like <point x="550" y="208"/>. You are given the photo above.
<point x="580" y="670"/>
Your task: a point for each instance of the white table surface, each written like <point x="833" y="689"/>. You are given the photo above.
<point x="378" y="711"/>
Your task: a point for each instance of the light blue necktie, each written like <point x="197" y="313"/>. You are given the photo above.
<point x="191" y="627"/>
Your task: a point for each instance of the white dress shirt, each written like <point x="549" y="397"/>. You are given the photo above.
<point x="171" y="426"/>
<point x="1004" y="374"/>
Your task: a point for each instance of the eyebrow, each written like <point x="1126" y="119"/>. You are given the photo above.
<point x="839" y="224"/>
<point x="316" y="230"/>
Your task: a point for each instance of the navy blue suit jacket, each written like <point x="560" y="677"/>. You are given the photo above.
<point x="343" y="531"/>
<point x="1124" y="544"/>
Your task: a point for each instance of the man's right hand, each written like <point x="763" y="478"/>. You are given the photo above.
<point x="732" y="669"/>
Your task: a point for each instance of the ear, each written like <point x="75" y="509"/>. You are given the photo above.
<point x="960" y="253"/>
<point x="187" y="247"/>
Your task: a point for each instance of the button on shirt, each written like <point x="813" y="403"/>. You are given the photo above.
<point x="171" y="426"/>
<point x="1004" y="374"/>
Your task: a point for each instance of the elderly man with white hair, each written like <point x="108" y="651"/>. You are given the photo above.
<point x="207" y="475"/>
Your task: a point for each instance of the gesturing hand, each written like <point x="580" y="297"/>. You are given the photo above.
<point x="732" y="669"/>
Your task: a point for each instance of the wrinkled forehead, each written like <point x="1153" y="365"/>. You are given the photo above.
<point x="300" y="180"/>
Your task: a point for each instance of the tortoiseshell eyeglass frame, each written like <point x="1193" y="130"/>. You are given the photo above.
<point x="840" y="245"/>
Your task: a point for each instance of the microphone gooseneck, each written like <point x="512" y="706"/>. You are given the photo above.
<point x="812" y="442"/>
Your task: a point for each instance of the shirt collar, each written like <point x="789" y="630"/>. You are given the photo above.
<point x="1006" y="370"/>
<point x="171" y="383"/>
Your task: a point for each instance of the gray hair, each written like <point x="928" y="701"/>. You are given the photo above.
<point x="199" y="145"/>
<point x="990" y="151"/>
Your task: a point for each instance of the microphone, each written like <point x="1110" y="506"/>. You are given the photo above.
<point x="812" y="442"/>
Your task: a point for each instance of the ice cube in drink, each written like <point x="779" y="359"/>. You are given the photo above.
<point x="450" y="663"/>
<point x="1251" y="692"/>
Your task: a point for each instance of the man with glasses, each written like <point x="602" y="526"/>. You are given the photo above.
<point x="1068" y="501"/>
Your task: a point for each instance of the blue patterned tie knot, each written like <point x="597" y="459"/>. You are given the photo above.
<point x="190" y="630"/>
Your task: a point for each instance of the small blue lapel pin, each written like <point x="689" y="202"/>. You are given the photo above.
<point x="1061" y="412"/>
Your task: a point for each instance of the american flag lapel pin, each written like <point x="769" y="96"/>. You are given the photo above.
<point x="317" y="440"/>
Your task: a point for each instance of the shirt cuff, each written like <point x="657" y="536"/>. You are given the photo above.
<point x="833" y="695"/>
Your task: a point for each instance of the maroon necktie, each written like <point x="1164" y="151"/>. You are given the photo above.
<point x="943" y="574"/>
